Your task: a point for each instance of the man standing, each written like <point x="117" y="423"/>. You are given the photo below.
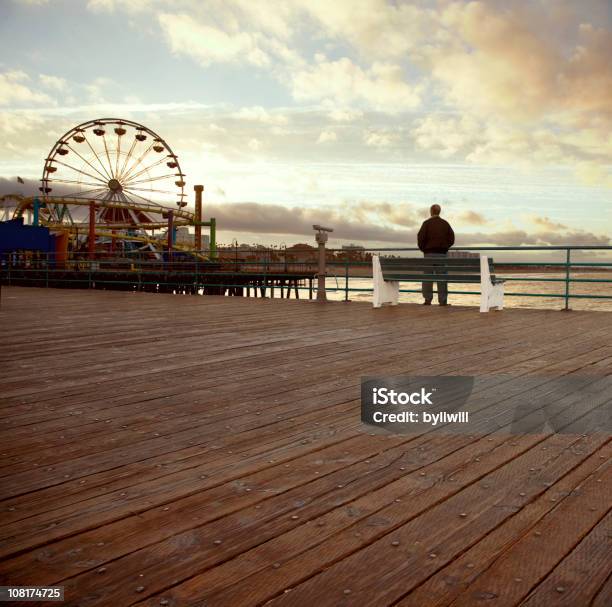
<point x="435" y="238"/>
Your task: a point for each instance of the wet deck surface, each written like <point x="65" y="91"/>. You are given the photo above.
<point x="167" y="450"/>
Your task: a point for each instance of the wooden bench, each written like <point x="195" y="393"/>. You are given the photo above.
<point x="388" y="272"/>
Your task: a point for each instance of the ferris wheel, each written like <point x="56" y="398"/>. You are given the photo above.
<point x="112" y="160"/>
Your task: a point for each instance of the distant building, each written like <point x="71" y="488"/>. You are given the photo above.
<point x="16" y="236"/>
<point x="301" y="247"/>
<point x="301" y="252"/>
<point x="184" y="237"/>
<point x="463" y="254"/>
<point x="353" y="247"/>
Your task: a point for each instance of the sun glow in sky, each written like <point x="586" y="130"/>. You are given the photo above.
<point x="354" y="113"/>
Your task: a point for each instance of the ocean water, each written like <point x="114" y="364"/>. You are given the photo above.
<point x="336" y="291"/>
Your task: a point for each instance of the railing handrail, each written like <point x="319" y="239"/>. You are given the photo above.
<point x="266" y="261"/>
<point x="488" y="248"/>
<point x="276" y="251"/>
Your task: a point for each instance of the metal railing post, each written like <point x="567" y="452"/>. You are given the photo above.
<point x="567" y="278"/>
<point x="198" y="217"/>
<point x="213" y="238"/>
<point x="197" y="277"/>
<point x="346" y="279"/>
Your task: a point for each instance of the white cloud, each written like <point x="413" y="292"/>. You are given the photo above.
<point x="382" y="86"/>
<point x="97" y="87"/>
<point x="277" y="20"/>
<point x="472" y="218"/>
<point x="446" y="135"/>
<point x="378" y="29"/>
<point x="128" y="5"/>
<point x="345" y="115"/>
<point x="379" y="139"/>
<point x="259" y="114"/>
<point x="545" y="223"/>
<point x="207" y="44"/>
<point x="501" y="83"/>
<point x="15" y="90"/>
<point x="13" y="123"/>
<point x="594" y="174"/>
<point x="52" y="82"/>
<point x="505" y="65"/>
<point x="327" y="136"/>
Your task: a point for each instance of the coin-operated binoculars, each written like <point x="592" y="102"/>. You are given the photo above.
<point x="321" y="237"/>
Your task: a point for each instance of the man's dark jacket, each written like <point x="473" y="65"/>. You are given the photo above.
<point x="435" y="236"/>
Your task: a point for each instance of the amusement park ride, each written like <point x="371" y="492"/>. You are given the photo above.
<point x="108" y="185"/>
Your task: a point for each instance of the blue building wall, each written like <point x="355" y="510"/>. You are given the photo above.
<point x="15" y="236"/>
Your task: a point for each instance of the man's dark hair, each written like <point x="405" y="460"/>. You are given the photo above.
<point x="434" y="209"/>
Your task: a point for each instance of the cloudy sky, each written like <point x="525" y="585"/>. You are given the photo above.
<point x="356" y="113"/>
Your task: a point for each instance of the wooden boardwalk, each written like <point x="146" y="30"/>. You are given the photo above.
<point x="183" y="451"/>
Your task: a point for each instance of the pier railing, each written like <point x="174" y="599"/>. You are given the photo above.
<point x="268" y="271"/>
<point x="568" y="266"/>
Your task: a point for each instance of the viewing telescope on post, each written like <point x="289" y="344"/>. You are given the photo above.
<point x="321" y="237"/>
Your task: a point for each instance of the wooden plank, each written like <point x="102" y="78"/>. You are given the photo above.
<point x="19" y="506"/>
<point x="351" y="341"/>
<point x="530" y="560"/>
<point x="109" y="413"/>
<point x="604" y="596"/>
<point x="581" y="574"/>
<point x="135" y="499"/>
<point x="142" y="562"/>
<point x="148" y="394"/>
<point x="362" y="557"/>
<point x="449" y="582"/>
<point x="116" y="380"/>
<point x="451" y="341"/>
<point x="233" y="583"/>
<point x="44" y="474"/>
<point x="181" y="368"/>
